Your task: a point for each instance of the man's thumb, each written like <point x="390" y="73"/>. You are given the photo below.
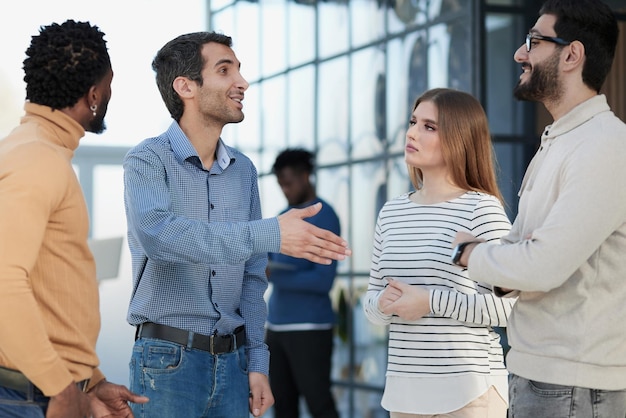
<point x="311" y="210"/>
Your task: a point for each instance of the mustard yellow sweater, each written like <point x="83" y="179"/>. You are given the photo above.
<point x="49" y="302"/>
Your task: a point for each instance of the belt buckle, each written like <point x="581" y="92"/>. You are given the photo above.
<point x="212" y="344"/>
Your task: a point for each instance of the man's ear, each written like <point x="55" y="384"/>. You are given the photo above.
<point x="575" y="56"/>
<point x="92" y="96"/>
<point x="184" y="87"/>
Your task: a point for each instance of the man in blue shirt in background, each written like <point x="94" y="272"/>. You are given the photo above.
<point x="300" y="314"/>
<point x="199" y="245"/>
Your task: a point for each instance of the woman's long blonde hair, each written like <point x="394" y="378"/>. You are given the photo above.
<point x="465" y="141"/>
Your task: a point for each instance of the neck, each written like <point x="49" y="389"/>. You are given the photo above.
<point x="573" y="96"/>
<point x="436" y="189"/>
<point x="203" y="137"/>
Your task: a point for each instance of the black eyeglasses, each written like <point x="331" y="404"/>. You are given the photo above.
<point x="531" y="36"/>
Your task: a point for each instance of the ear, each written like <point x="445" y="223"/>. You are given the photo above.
<point x="184" y="87"/>
<point x="575" y="57"/>
<point x="92" y="96"/>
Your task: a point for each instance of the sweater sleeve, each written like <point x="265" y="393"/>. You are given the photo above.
<point x="589" y="207"/>
<point x="376" y="284"/>
<point x="483" y="308"/>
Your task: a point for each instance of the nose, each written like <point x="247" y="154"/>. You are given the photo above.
<point x="411" y="133"/>
<point x="521" y="54"/>
<point x="241" y="83"/>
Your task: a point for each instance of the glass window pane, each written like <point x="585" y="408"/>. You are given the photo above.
<point x="506" y="2"/>
<point x="246" y="42"/>
<point x="246" y="135"/>
<point x="273" y="110"/>
<point x="404" y="13"/>
<point x="402" y="85"/>
<point x="301" y="27"/>
<point x="368" y="22"/>
<point x="273" y="35"/>
<point x="368" y="107"/>
<point x="511" y="166"/>
<point x="369" y="193"/>
<point x="218" y="4"/>
<point x="272" y="198"/>
<point x="332" y="28"/>
<point x="224" y="21"/>
<point x="109" y="217"/>
<point x="460" y="64"/>
<point x="399" y="181"/>
<point x="332" y="108"/>
<point x="504" y="33"/>
<point x="332" y="185"/>
<point x="301" y="107"/>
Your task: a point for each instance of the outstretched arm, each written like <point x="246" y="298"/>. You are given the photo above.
<point x="301" y="239"/>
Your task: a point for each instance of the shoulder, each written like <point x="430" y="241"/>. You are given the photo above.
<point x="240" y="157"/>
<point x="33" y="154"/>
<point x="327" y="208"/>
<point x="36" y="167"/>
<point x="396" y="205"/>
<point x="480" y="198"/>
<point x="155" y="144"/>
<point x="483" y="203"/>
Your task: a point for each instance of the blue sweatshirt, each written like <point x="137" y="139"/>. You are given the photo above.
<point x="300" y="287"/>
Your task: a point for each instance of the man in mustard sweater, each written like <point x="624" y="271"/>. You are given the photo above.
<point x="564" y="256"/>
<point x="50" y="316"/>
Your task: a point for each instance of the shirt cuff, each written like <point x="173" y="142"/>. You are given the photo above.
<point x="265" y="236"/>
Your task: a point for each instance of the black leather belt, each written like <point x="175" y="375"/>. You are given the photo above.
<point x="214" y="344"/>
<point x="13" y="379"/>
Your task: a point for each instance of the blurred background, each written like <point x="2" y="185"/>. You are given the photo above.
<point x="338" y="77"/>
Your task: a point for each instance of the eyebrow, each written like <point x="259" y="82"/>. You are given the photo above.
<point x="225" y="61"/>
<point x="427" y="120"/>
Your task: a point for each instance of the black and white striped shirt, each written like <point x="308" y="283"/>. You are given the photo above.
<point x="412" y="243"/>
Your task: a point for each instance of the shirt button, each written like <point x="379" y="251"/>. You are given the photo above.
<point x="213" y="273"/>
<point x="212" y="207"/>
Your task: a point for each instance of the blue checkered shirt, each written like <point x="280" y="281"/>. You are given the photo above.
<point x="198" y="243"/>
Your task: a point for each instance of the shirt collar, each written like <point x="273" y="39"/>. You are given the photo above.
<point x="576" y="117"/>
<point x="183" y="149"/>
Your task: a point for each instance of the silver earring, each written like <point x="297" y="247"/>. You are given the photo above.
<point x="93" y="109"/>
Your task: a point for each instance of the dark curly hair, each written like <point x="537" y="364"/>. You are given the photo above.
<point x="63" y="62"/>
<point x="297" y="159"/>
<point x="182" y="57"/>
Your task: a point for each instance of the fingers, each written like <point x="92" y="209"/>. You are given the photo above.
<point x="261" y="397"/>
<point x="462" y="236"/>
<point x="301" y="239"/>
<point x="309" y="210"/>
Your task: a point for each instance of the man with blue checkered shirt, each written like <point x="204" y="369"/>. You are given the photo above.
<point x="199" y="245"/>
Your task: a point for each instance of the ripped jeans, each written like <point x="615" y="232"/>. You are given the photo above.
<point x="183" y="382"/>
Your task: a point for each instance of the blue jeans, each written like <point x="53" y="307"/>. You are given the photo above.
<point x="190" y="383"/>
<point x="532" y="399"/>
<point x="15" y="404"/>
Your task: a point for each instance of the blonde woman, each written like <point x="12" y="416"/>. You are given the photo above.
<point x="444" y="358"/>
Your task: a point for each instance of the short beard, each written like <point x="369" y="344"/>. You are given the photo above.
<point x="97" y="125"/>
<point x="544" y="84"/>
